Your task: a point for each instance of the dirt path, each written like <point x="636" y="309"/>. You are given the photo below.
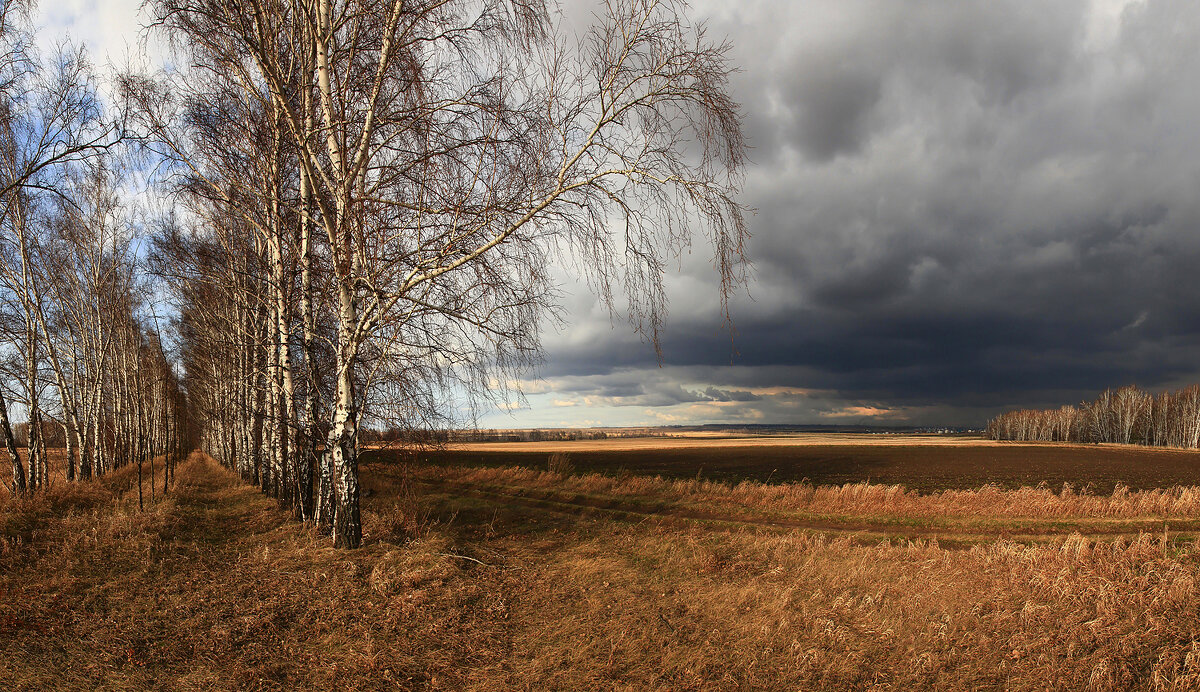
<point x="212" y="588"/>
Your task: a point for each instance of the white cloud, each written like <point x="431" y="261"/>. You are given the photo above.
<point x="111" y="29"/>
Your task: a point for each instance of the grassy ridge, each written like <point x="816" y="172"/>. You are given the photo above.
<point x="803" y="504"/>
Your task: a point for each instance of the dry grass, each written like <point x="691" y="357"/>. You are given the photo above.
<point x="851" y="500"/>
<point x="214" y="588"/>
<point x="658" y="610"/>
<point x="916" y="463"/>
<point x="559" y="463"/>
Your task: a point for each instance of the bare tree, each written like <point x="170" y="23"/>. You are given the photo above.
<point x="446" y="151"/>
<point x="1129" y="404"/>
<point x="50" y="120"/>
<point x="1127" y="416"/>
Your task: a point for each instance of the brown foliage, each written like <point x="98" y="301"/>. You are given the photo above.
<point x="852" y="499"/>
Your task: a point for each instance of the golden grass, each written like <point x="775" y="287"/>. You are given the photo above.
<point x="690" y="440"/>
<point x="214" y="588"/>
<point x="855" y="499"/>
<point x="656" y="610"/>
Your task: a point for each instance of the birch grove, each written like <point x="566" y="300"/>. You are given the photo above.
<point x="80" y="365"/>
<point x="1127" y="415"/>
<point x="373" y="196"/>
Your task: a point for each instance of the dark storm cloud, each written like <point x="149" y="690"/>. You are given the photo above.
<point x="960" y="207"/>
<point x="630" y="388"/>
<point x="834" y="111"/>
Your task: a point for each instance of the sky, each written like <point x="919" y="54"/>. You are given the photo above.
<point x="960" y="208"/>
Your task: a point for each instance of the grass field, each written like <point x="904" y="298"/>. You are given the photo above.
<point x="496" y="577"/>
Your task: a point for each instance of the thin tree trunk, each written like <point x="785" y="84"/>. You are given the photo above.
<point x="166" y="447"/>
<point x="320" y="508"/>
<point x="33" y="427"/>
<point x="69" y="441"/>
<point x="18" y="471"/>
<point x="308" y="458"/>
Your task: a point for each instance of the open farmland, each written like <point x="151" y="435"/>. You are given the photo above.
<point x="961" y="491"/>
<point x="919" y="462"/>
<point x="498" y="577"/>
<point x="493" y="345"/>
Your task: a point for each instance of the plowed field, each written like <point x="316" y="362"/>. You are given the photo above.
<point x="925" y="464"/>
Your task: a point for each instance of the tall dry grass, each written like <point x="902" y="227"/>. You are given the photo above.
<point x="52" y="520"/>
<point x="216" y="588"/>
<point x="656" y="608"/>
<point x="854" y="499"/>
<point x="560" y="463"/>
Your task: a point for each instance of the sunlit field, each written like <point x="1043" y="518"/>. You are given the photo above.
<point x="504" y="576"/>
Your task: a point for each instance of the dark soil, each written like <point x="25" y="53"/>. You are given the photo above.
<point x="921" y="467"/>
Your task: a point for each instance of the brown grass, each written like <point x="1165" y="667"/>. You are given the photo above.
<point x="660" y="610"/>
<point x="559" y="463"/>
<point x="851" y="500"/>
<point x="214" y="588"/>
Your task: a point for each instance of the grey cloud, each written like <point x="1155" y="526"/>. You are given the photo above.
<point x="834" y="107"/>
<point x="960" y="207"/>
<point x="625" y="388"/>
<point x="715" y="394"/>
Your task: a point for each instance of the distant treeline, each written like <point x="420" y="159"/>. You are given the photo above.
<point x="1127" y="415"/>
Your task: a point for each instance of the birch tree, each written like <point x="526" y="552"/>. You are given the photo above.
<point x="442" y="154"/>
<point x="50" y="119"/>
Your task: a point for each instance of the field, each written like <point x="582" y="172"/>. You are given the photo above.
<point x="925" y="463"/>
<point x="651" y="573"/>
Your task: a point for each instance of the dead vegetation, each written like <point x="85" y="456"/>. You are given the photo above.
<point x="854" y="499"/>
<point x="215" y="588"/>
<point x="722" y="440"/>
<point x="559" y="463"/>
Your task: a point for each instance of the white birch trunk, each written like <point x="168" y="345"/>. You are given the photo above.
<point x="343" y="435"/>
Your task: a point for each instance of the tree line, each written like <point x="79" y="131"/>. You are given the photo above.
<point x="371" y="198"/>
<point x="1127" y="415"/>
<point x="81" y="351"/>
